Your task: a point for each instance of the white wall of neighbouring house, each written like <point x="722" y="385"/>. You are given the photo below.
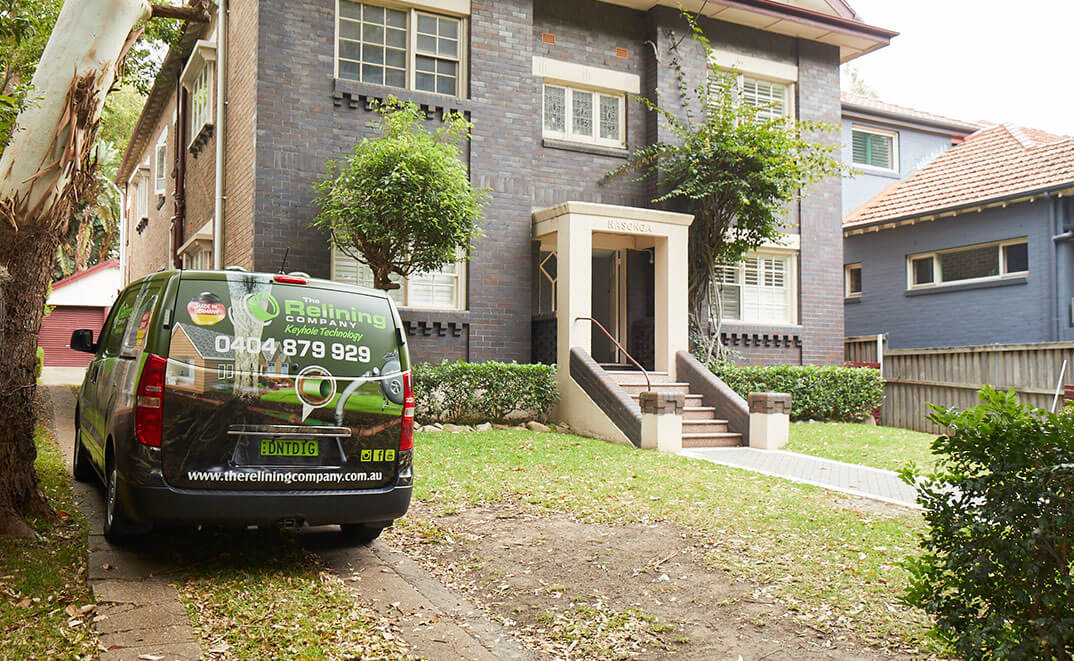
<point x="97" y="289"/>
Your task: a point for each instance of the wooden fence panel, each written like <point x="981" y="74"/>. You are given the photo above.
<point x="951" y="376"/>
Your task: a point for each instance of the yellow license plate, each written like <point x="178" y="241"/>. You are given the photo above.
<point x="288" y="448"/>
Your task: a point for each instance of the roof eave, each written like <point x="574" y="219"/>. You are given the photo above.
<point x="957" y="210"/>
<point x="867" y="112"/>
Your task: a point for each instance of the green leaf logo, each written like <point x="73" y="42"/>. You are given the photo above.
<point x="262" y="306"/>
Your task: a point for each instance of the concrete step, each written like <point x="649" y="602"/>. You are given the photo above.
<point x="634" y="387"/>
<point x="704" y="426"/>
<point x="699" y="413"/>
<point x="636" y="377"/>
<point x="711" y="440"/>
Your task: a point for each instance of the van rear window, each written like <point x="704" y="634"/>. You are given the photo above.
<point x="245" y="324"/>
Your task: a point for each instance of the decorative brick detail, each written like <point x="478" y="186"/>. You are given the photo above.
<point x="663" y="403"/>
<point x="770" y="402"/>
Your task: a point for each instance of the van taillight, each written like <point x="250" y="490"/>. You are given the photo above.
<point x="406" y="436"/>
<point x="148" y="420"/>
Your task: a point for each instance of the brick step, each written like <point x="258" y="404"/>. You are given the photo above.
<point x="712" y="440"/>
<point x="692" y="401"/>
<point x="707" y="413"/>
<point x="704" y="426"/>
<point x="634" y="387"/>
<point x="636" y="377"/>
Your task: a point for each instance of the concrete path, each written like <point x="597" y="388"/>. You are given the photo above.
<point x="852" y="479"/>
<point x="139" y="613"/>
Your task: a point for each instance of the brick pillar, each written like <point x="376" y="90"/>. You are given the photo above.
<point x="769" y="419"/>
<point x="661" y="420"/>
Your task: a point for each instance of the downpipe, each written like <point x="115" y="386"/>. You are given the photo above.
<point x="221" y="132"/>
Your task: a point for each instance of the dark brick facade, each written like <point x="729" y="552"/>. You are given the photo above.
<point x="288" y="116"/>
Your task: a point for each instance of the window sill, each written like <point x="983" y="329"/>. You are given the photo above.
<point x="751" y="326"/>
<point x="201" y="137"/>
<point x="356" y="93"/>
<point x="966" y="286"/>
<point x="581" y="147"/>
<point x="851" y="300"/>
<point x="875" y="171"/>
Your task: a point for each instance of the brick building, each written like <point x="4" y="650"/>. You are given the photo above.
<point x="547" y="85"/>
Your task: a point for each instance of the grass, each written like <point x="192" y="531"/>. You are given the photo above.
<point x="828" y="562"/>
<point x="43" y="590"/>
<point x="261" y="595"/>
<point x="890" y="448"/>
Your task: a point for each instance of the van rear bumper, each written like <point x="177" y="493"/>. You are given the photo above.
<point x="170" y="505"/>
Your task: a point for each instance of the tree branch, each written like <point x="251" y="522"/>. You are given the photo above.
<point x="195" y="14"/>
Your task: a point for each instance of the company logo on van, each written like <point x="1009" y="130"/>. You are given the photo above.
<point x="312" y="311"/>
<point x="262" y="306"/>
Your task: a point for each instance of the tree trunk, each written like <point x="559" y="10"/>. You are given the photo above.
<point x="28" y="256"/>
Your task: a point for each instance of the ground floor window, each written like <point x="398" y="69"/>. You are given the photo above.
<point x="969" y="263"/>
<point x="761" y="289"/>
<point x="442" y="289"/>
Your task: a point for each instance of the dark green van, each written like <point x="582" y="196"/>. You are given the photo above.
<point x="227" y="397"/>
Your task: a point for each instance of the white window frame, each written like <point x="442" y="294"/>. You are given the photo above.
<point x="142" y="201"/>
<point x="402" y="295"/>
<point x="846" y="280"/>
<point x="198" y="78"/>
<point x="790" y="275"/>
<point x="160" y="164"/>
<point x="462" y="81"/>
<point x="892" y="135"/>
<point x="937" y="268"/>
<point x="568" y="134"/>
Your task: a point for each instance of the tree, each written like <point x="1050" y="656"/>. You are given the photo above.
<point x="734" y="166"/>
<point x="93" y="233"/>
<point x="858" y="85"/>
<point x="402" y="203"/>
<point x="46" y="168"/>
<point x="121" y="111"/>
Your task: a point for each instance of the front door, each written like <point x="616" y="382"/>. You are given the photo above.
<point x="607" y="304"/>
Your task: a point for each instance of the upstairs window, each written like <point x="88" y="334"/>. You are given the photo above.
<point x="873" y="148"/>
<point x="969" y="264"/>
<point x="585" y="116"/>
<point x="408" y="49"/>
<point x="771" y="99"/>
<point x="198" y="80"/>
<point x="160" y="164"/>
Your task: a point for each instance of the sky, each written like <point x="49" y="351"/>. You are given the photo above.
<point x="975" y="59"/>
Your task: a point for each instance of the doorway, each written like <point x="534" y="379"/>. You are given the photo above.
<point x="622" y="301"/>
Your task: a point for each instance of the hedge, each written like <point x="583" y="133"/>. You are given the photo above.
<point x="39" y="362"/>
<point x="995" y="567"/>
<point x="842" y="394"/>
<point x="465" y="393"/>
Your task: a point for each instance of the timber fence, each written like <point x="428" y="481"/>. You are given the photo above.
<point x="951" y="376"/>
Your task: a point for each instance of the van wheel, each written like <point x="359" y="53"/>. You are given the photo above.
<point x="80" y="467"/>
<point x="361" y="533"/>
<point x="117" y="526"/>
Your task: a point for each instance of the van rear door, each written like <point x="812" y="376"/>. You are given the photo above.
<point x="277" y="385"/>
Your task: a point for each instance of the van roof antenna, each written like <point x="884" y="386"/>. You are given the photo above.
<point x="283" y="264"/>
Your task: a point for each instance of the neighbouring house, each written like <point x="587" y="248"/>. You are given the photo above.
<point x="547" y="85"/>
<point x="885" y="143"/>
<point x="81" y="300"/>
<point x="974" y="248"/>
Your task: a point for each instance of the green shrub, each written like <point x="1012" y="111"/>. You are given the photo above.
<point x="39" y="362"/>
<point x="844" y="394"/>
<point x="463" y="392"/>
<point x="996" y="572"/>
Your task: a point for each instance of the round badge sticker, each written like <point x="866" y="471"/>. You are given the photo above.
<point x="206" y="309"/>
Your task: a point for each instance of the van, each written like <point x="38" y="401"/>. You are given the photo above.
<point x="227" y="397"/>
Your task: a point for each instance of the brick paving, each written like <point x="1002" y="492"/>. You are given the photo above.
<point x="839" y="476"/>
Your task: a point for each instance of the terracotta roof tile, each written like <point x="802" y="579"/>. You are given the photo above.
<point x="995" y="162"/>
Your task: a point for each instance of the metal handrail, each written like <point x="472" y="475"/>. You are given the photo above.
<point x="648" y="383"/>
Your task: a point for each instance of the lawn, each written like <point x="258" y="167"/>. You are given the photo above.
<point x="829" y="560"/>
<point x="890" y="448"/>
<point x="45" y="604"/>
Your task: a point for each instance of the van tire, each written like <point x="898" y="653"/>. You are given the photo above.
<point x="80" y="466"/>
<point x="361" y="533"/>
<point x="117" y="526"/>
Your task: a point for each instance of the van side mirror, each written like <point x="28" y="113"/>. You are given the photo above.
<point x="82" y="340"/>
